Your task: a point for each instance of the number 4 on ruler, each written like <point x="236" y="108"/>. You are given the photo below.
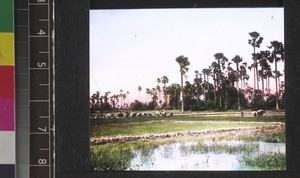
<point x="41" y="32"/>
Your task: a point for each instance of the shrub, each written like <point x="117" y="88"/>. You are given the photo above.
<point x="270" y="161"/>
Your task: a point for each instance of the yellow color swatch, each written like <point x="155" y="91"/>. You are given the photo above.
<point x="6" y="49"/>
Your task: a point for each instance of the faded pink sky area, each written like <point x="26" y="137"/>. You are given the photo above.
<point x="131" y="48"/>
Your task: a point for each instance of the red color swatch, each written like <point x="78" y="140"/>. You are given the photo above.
<point x="7" y="80"/>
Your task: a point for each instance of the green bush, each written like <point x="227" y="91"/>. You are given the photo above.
<point x="270" y="161"/>
<point x="113" y="159"/>
<point x="258" y="102"/>
<point x="138" y="106"/>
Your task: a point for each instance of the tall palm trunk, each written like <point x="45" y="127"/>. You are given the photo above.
<point x="220" y="93"/>
<point x="254" y="78"/>
<point x="262" y="86"/>
<point x="226" y="95"/>
<point x="238" y="89"/>
<point x="277" y="106"/>
<point x="237" y="85"/>
<point x="242" y="81"/>
<point x="268" y="85"/>
<point x="215" y="96"/>
<point x="254" y="70"/>
<point x="198" y="98"/>
<point x="257" y="77"/>
<point x="219" y="85"/>
<point x="208" y="88"/>
<point x="165" y="94"/>
<point x="182" y="95"/>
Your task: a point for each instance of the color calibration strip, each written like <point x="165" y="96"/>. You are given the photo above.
<point x="7" y="91"/>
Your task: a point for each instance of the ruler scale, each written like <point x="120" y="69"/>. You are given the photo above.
<point x="41" y="88"/>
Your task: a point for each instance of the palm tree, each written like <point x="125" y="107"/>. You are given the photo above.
<point x="158" y="81"/>
<point x="148" y="92"/>
<point x="228" y="81"/>
<point x="263" y="63"/>
<point x="215" y="69"/>
<point x="237" y="60"/>
<point x="95" y="102"/>
<point x="158" y="89"/>
<point x="276" y="55"/>
<point x="126" y="95"/>
<point x="221" y="59"/>
<point x="244" y="75"/>
<point x="197" y="83"/>
<point x="255" y="42"/>
<point x="153" y="93"/>
<point x="174" y="92"/>
<point x="159" y="92"/>
<point x="165" y="80"/>
<point x="139" y="89"/>
<point x="268" y="74"/>
<point x="121" y="97"/>
<point x="183" y="63"/>
<point x="206" y="72"/>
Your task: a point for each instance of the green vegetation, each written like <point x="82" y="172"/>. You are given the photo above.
<point x="163" y="127"/>
<point x="269" y="137"/>
<point x="270" y="161"/>
<point x="117" y="156"/>
<point x="199" y="117"/>
<point x="108" y="157"/>
<point x="218" y="148"/>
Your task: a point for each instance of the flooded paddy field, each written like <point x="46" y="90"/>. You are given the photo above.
<point x="229" y="155"/>
<point x="189" y="144"/>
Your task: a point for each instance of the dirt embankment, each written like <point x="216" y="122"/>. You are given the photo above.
<point x="206" y="134"/>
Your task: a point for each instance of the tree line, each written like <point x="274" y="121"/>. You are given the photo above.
<point x="228" y="88"/>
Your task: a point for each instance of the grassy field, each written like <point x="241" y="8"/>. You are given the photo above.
<point x="179" y="123"/>
<point x="276" y="118"/>
<point x="165" y="127"/>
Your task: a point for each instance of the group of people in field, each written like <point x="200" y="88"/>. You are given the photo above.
<point x="259" y="113"/>
<point x="127" y="114"/>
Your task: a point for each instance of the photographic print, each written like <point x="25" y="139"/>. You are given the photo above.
<point x="187" y="89"/>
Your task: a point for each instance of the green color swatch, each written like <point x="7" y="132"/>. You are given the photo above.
<point x="6" y="15"/>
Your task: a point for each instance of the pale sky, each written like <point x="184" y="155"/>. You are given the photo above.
<point x="129" y="48"/>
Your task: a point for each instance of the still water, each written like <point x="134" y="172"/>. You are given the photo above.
<point x="176" y="157"/>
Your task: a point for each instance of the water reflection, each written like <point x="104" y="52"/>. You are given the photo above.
<point x="271" y="147"/>
<point x="225" y="155"/>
